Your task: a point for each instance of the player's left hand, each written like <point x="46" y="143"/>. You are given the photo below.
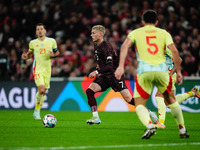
<point x="119" y="72"/>
<point x="52" y="55"/>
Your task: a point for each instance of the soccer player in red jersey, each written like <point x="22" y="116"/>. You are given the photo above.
<point x="107" y="60"/>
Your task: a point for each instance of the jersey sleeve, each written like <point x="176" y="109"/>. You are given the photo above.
<point x="169" y="39"/>
<point x="31" y="46"/>
<point x="54" y="46"/>
<point x="131" y="36"/>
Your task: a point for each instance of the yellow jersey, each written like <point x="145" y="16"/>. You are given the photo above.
<point x="41" y="51"/>
<point x="150" y="43"/>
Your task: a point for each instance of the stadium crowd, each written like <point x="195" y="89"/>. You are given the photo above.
<point x="70" y="22"/>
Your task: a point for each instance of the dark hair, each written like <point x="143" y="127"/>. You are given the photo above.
<point x="41" y="24"/>
<point x="150" y="16"/>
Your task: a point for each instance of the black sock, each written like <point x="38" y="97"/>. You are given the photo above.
<point x="132" y="102"/>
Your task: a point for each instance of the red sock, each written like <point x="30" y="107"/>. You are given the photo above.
<point x="180" y="126"/>
<point x="91" y="99"/>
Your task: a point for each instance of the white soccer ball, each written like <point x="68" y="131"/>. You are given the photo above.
<point x="49" y="121"/>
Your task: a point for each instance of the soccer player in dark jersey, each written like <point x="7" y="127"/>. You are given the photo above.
<point x="107" y="60"/>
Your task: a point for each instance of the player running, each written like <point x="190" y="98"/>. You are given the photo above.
<point x="44" y="49"/>
<point x="150" y="42"/>
<point x="179" y="98"/>
<point x="107" y="60"/>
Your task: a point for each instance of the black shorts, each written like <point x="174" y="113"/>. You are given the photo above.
<point x="106" y="81"/>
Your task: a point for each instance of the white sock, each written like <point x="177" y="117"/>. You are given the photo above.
<point x="150" y="126"/>
<point x="183" y="130"/>
<point x="95" y="114"/>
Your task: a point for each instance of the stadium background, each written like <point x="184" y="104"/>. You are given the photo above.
<point x="70" y="22"/>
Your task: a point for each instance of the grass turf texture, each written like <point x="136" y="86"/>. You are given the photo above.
<point x="18" y="130"/>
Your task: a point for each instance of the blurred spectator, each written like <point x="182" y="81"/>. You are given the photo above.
<point x="188" y="65"/>
<point x="21" y="76"/>
<point x="70" y="22"/>
<point x="13" y="64"/>
<point x="198" y="70"/>
<point x="66" y="70"/>
<point x="3" y="64"/>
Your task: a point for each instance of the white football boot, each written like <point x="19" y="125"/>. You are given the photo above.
<point x="36" y="115"/>
<point x="94" y="120"/>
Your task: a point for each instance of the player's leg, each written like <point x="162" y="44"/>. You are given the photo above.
<point x="44" y="89"/>
<point x="142" y="91"/>
<point x="127" y="96"/>
<point x="143" y="115"/>
<point x="129" y="99"/>
<point x="120" y="86"/>
<point x="161" y="110"/>
<point x="176" y="113"/>
<point x="164" y="86"/>
<point x="39" y="98"/>
<point x="92" y="89"/>
<point x="42" y="93"/>
<point x="162" y="106"/>
<point x="193" y="93"/>
<point x="39" y="81"/>
<point x="182" y="97"/>
<point x="161" y="103"/>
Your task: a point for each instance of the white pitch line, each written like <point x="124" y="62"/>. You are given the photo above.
<point x="101" y="146"/>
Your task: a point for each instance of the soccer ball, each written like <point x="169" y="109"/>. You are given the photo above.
<point x="49" y="121"/>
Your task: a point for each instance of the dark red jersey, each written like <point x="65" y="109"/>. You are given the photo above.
<point x="106" y="57"/>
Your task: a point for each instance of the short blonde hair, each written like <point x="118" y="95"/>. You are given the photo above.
<point x="99" y="28"/>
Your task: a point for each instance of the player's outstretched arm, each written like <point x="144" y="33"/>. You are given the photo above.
<point x="27" y="55"/>
<point x="177" y="63"/>
<point x="123" y="53"/>
<point x="174" y="68"/>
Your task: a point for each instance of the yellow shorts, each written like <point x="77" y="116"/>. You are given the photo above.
<point x="42" y="79"/>
<point x="174" y="81"/>
<point x="144" y="83"/>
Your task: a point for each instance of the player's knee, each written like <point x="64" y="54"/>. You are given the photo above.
<point x="89" y="92"/>
<point x="159" y="94"/>
<point x="42" y="91"/>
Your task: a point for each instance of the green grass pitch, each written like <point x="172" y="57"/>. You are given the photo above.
<point x="118" y="130"/>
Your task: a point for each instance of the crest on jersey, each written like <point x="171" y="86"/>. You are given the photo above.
<point x="42" y="45"/>
<point x="109" y="57"/>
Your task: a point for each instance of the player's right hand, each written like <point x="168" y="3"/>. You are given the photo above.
<point x="119" y="72"/>
<point x="24" y="56"/>
<point x="92" y="74"/>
